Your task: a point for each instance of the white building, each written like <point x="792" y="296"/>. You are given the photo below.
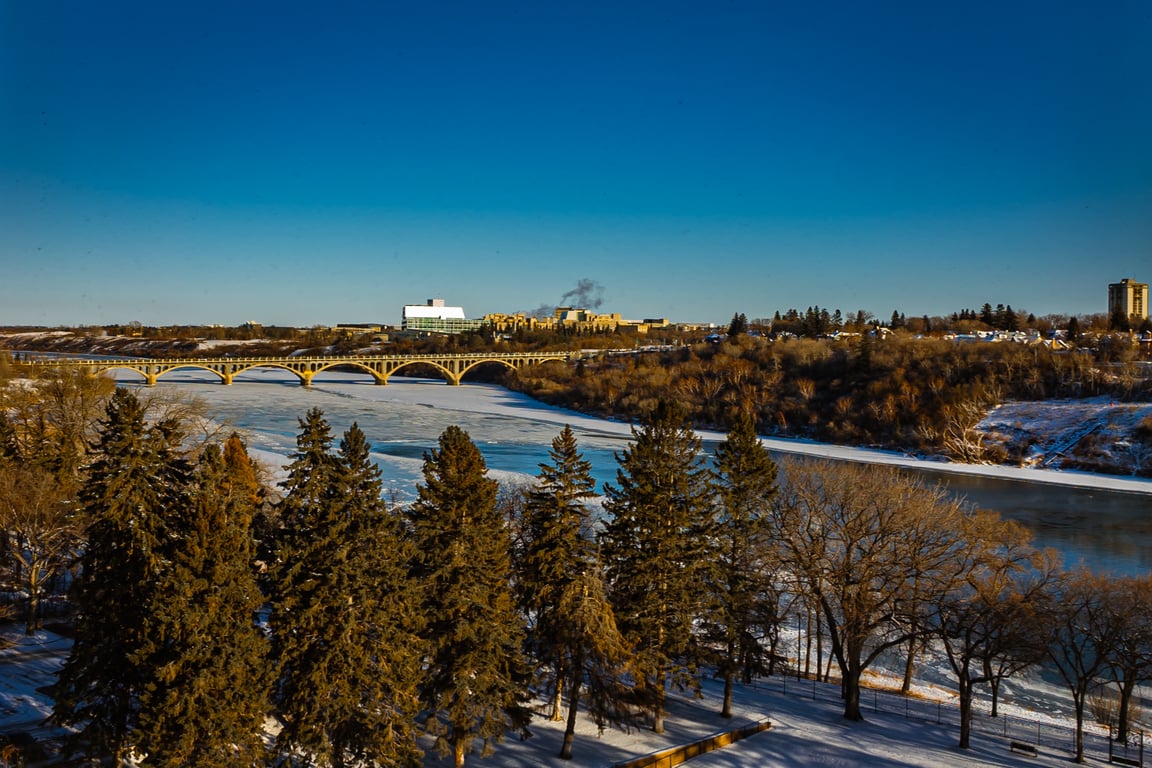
<point x="434" y="317"/>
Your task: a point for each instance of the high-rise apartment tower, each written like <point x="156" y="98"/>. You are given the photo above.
<point x="1129" y="298"/>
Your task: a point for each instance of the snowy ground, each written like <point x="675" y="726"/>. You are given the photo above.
<point x="807" y="724"/>
<point x="1052" y="432"/>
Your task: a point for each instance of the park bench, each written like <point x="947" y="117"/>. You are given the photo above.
<point x="1023" y="746"/>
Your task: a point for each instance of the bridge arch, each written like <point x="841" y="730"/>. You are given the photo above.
<point x="506" y="363"/>
<point x="239" y="368"/>
<point x="225" y="377"/>
<point x="450" y="377"/>
<point x="149" y="379"/>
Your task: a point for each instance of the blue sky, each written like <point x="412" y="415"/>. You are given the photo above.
<point x="302" y="164"/>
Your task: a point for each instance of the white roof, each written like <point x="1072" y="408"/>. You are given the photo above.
<point x="439" y="313"/>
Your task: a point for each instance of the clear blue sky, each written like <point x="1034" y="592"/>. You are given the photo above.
<point x="315" y="163"/>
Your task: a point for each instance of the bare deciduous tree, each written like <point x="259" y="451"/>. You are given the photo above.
<point x="857" y="538"/>
<point x="1082" y="636"/>
<point x="41" y="530"/>
<point x="986" y="622"/>
<point x="1130" y="660"/>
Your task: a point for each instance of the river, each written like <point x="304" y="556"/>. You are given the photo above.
<point x="1106" y="529"/>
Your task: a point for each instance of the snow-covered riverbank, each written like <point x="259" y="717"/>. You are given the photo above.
<point x="492" y="399"/>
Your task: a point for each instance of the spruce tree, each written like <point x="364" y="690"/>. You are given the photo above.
<point x="558" y="546"/>
<point x="205" y="695"/>
<point x="986" y="315"/>
<point x="131" y="486"/>
<point x="1011" y="321"/>
<point x="744" y="600"/>
<point x="574" y="635"/>
<point x="343" y="620"/>
<point x="654" y="547"/>
<point x="475" y="682"/>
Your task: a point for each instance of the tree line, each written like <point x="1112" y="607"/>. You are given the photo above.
<point x="212" y="610"/>
<point x="917" y="395"/>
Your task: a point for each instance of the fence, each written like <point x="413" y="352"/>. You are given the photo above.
<point x="1016" y="730"/>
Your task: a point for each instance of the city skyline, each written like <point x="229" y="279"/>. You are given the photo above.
<point x="215" y="164"/>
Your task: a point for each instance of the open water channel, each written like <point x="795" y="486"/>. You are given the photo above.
<point x="1107" y="530"/>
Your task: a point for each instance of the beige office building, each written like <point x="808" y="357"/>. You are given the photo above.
<point x="1128" y="297"/>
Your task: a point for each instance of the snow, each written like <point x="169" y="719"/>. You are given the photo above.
<point x="487" y="398"/>
<point x="807" y="726"/>
<point x="1045" y="420"/>
<point x="1053" y="427"/>
<point x="216" y="344"/>
<point x="806" y="718"/>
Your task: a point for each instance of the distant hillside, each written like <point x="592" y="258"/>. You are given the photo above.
<point x="922" y="396"/>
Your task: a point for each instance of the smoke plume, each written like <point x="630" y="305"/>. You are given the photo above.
<point x="588" y="294"/>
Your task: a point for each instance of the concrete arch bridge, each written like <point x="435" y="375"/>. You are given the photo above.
<point x="380" y="367"/>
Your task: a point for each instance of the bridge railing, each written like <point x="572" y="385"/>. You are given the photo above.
<point x="110" y="361"/>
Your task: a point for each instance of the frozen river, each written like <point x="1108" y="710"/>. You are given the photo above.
<point x="1107" y="528"/>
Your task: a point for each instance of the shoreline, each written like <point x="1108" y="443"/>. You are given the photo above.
<point x="494" y="399"/>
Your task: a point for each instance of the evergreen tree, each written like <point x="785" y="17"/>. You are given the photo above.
<point x="475" y="679"/>
<point x="343" y="621"/>
<point x="389" y="663"/>
<point x="309" y="484"/>
<point x="739" y="325"/>
<point x="654" y="549"/>
<point x="574" y="634"/>
<point x="999" y="317"/>
<point x="132" y="485"/>
<point x="205" y="696"/>
<point x="1073" y="329"/>
<point x="744" y="598"/>
<point x="556" y="547"/>
<point x="986" y="316"/>
<point x="1118" y="321"/>
<point x="1011" y="321"/>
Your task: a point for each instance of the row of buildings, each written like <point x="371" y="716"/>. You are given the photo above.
<point x="1127" y="298"/>
<point x="436" y="317"/>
